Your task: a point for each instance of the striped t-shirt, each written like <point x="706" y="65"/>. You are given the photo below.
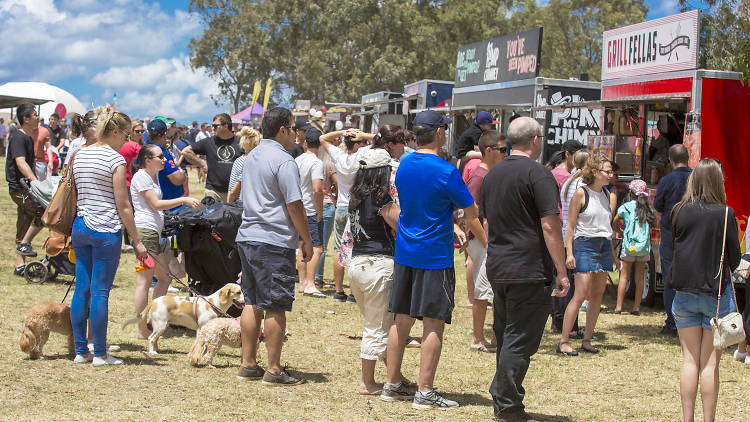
<point x="93" y="168"/>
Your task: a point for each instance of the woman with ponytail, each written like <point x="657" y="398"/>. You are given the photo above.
<point x="82" y="129"/>
<point x="249" y="139"/>
<point x="102" y="210"/>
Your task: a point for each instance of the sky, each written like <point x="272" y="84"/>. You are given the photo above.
<point x="136" y="49"/>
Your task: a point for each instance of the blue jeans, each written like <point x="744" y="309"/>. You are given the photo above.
<point x="97" y="258"/>
<point x="666" y="253"/>
<point x="328" y="212"/>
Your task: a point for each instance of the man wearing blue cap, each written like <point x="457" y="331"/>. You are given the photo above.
<point x="424" y="282"/>
<point x="469" y="139"/>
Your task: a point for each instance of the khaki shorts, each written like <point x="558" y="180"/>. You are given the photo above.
<point x="478" y="254"/>
<point x="151" y="240"/>
<point x="339" y="224"/>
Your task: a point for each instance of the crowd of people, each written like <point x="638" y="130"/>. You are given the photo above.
<point x="538" y="239"/>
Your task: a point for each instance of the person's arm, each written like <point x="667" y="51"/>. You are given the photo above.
<point x="317" y="185"/>
<point x="24" y="168"/>
<point x="473" y="154"/>
<point x="50" y="155"/>
<point x="125" y="210"/>
<point x="575" y="207"/>
<point x="613" y="204"/>
<point x="299" y="219"/>
<point x="234" y="194"/>
<point x="552" y="230"/>
<point x="177" y="177"/>
<point x="471" y="215"/>
<point x="733" y="254"/>
<point x="390" y="213"/>
<point x="155" y="203"/>
<point x="189" y="155"/>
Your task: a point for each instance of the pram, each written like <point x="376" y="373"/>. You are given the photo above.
<point x="206" y="237"/>
<point x="59" y="262"/>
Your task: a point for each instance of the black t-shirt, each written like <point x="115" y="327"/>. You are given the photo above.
<point x="297" y="150"/>
<point x="516" y="194"/>
<point x="220" y="155"/>
<point x="468" y="139"/>
<point x="372" y="235"/>
<point x="55" y="135"/>
<point x="19" y="145"/>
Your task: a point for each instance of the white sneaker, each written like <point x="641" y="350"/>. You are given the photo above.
<point x="83" y="358"/>
<point x="740" y="357"/>
<point x="110" y="347"/>
<point x="109" y="360"/>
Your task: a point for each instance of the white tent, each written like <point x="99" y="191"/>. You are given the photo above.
<point x="50" y="96"/>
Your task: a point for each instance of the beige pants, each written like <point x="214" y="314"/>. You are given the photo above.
<point x="371" y="280"/>
<point x="478" y="254"/>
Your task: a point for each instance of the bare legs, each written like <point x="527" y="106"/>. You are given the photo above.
<point x="432" y="344"/>
<point x="306" y="271"/>
<point x="589" y="285"/>
<point x="640" y="269"/>
<point x="700" y="361"/>
<point x="469" y="280"/>
<point x="478" y="314"/>
<point x="142" y="285"/>
<point x="27" y="238"/>
<point x="338" y="274"/>
<point x="249" y="325"/>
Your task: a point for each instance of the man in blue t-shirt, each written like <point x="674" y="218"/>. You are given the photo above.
<point x="429" y="189"/>
<point x="171" y="177"/>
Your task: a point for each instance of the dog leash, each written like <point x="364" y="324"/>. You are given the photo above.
<point x="196" y="294"/>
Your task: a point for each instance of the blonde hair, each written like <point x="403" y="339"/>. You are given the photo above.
<point x="579" y="161"/>
<point x="135" y="123"/>
<point x="249" y="138"/>
<point x="110" y="119"/>
<point x="594" y="162"/>
<point x="705" y="185"/>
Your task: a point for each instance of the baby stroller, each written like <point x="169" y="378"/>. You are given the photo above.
<point x="58" y="261"/>
<point x="206" y="237"/>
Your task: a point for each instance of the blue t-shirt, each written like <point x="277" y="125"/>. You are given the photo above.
<point x="181" y="144"/>
<point x="429" y="188"/>
<point x="168" y="190"/>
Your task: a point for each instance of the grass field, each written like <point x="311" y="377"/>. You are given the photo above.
<point x="635" y="378"/>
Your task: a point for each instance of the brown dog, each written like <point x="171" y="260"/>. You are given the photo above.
<point x="40" y="320"/>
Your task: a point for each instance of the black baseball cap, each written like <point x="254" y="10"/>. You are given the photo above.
<point x="572" y="146"/>
<point x="301" y="124"/>
<point x="156" y="127"/>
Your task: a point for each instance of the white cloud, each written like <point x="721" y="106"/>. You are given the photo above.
<point x="130" y="47"/>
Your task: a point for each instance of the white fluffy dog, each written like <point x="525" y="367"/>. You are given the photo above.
<point x="213" y="335"/>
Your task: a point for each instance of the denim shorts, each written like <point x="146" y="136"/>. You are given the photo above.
<point x="694" y="309"/>
<point x="592" y="254"/>
<point x="316" y="230"/>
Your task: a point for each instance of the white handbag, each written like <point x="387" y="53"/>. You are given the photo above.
<point x="728" y="330"/>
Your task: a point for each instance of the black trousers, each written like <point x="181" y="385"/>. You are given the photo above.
<point x="559" y="304"/>
<point x="521" y="312"/>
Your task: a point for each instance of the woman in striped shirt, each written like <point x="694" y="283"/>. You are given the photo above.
<point x="102" y="209"/>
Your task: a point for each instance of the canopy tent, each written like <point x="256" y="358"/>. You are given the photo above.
<point x="245" y="115"/>
<point x="51" y="98"/>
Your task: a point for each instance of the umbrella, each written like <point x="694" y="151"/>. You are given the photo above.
<point x="57" y="99"/>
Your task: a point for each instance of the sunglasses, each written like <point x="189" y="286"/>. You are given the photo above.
<point x="138" y="131"/>
<point x="293" y="127"/>
<point x="215" y="126"/>
<point x="160" y="156"/>
<point x="497" y="148"/>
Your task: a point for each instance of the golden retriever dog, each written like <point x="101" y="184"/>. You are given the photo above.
<point x="41" y="319"/>
<point x="189" y="312"/>
<point x="213" y="335"/>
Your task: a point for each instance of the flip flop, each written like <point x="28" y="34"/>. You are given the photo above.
<point x="374" y="393"/>
<point x="315" y="294"/>
<point x="483" y="348"/>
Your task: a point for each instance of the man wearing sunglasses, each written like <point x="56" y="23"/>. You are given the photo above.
<point x="220" y="150"/>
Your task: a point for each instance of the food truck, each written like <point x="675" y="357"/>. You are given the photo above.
<point x="381" y="108"/>
<point x="501" y="75"/>
<point x="654" y="96"/>
<point x="426" y="94"/>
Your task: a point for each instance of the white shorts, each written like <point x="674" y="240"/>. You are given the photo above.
<point x="478" y="254"/>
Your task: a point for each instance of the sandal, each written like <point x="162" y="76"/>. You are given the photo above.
<point x="484" y="348"/>
<point x="571" y="353"/>
<point x="316" y="294"/>
<point x="591" y="349"/>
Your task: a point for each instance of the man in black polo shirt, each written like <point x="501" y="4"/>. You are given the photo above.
<point x="668" y="193"/>
<point x="220" y="150"/>
<point x="522" y="194"/>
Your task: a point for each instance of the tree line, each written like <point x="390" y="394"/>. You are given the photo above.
<point x="340" y="50"/>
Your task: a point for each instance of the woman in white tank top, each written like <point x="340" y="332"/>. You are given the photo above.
<point x="589" y="252"/>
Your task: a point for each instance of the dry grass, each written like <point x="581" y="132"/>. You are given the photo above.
<point x="634" y="378"/>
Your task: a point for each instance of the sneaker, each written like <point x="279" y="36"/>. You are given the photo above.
<point x="25" y="249"/>
<point x="432" y="400"/>
<point x="340" y="297"/>
<point x="246" y="373"/>
<point x="585" y="306"/>
<point x="110" y="347"/>
<point x="19" y="270"/>
<point x="668" y="331"/>
<point x="395" y="392"/>
<point x="282" y="379"/>
<point x="83" y="358"/>
<point x="109" y="360"/>
<point x="351" y="299"/>
<point x="740" y="357"/>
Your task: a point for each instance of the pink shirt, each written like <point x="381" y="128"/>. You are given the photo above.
<point x="469" y="168"/>
<point x="129" y="151"/>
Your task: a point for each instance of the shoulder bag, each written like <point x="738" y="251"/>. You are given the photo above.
<point x="61" y="211"/>
<point x="728" y="330"/>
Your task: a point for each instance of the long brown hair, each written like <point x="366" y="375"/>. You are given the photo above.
<point x="594" y="162"/>
<point x="579" y="161"/>
<point x="704" y="186"/>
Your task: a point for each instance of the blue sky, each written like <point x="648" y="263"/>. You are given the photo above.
<point x="134" y="48"/>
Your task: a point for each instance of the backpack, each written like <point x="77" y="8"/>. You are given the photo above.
<point x="636" y="238"/>
<point x="586" y="199"/>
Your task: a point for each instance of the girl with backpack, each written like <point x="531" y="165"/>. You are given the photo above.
<point x="638" y="218"/>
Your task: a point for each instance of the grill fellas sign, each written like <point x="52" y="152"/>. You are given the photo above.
<point x="661" y="45"/>
<point x="501" y="59"/>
